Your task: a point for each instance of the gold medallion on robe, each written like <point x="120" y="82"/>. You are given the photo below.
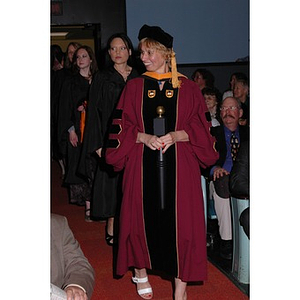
<point x="169" y="93"/>
<point x="151" y="93"/>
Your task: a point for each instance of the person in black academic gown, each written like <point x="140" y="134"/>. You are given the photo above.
<point x="104" y="95"/>
<point x="73" y="98"/>
<point x="57" y="79"/>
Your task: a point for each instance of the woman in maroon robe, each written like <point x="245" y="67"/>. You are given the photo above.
<point x="173" y="239"/>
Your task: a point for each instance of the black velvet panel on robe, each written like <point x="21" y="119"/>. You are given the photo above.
<point x="160" y="225"/>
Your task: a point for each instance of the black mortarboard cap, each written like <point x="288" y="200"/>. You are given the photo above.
<point x="157" y="34"/>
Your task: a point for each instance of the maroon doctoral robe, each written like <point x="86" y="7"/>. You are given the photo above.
<point x="173" y="240"/>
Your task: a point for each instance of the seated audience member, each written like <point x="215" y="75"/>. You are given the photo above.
<point x="239" y="182"/>
<point x="229" y="137"/>
<point x="233" y="78"/>
<point x="211" y="96"/>
<point x="70" y="269"/>
<point x="241" y="92"/>
<point x="203" y="78"/>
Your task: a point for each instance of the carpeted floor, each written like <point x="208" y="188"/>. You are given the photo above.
<point x="107" y="287"/>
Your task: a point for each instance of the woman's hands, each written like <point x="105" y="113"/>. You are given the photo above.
<point x="73" y="138"/>
<point x="156" y="143"/>
<point x="81" y="108"/>
<point x="99" y="152"/>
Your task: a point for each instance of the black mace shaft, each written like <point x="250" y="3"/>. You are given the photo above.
<point x="159" y="130"/>
<point x="161" y="178"/>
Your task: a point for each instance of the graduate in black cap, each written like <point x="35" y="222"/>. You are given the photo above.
<point x="171" y="240"/>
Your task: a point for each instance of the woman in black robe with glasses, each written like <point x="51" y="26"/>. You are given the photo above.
<point x="104" y="95"/>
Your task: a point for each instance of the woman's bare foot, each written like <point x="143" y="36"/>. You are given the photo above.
<point x="180" y="290"/>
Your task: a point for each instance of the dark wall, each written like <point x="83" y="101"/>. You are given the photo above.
<point x="204" y="31"/>
<point x="110" y="14"/>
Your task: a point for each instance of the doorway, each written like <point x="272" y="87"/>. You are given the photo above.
<point x="84" y="34"/>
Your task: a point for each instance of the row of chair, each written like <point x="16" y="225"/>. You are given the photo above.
<point x="241" y="245"/>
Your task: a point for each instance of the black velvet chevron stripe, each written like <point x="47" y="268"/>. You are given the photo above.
<point x="115" y="129"/>
<point x="208" y="116"/>
<point x="113" y="143"/>
<point x="117" y="114"/>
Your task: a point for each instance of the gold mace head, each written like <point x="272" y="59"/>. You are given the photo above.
<point x="160" y="110"/>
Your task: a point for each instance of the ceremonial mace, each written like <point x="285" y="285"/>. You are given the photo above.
<point x="159" y="130"/>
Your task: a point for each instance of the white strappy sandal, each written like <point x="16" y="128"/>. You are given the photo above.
<point x="142" y="292"/>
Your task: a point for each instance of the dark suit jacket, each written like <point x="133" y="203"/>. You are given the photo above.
<point x="218" y="133"/>
<point x="239" y="175"/>
<point x="68" y="263"/>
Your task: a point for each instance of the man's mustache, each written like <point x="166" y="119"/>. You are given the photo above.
<point x="229" y="116"/>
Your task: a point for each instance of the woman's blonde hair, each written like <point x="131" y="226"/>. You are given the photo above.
<point x="169" y="55"/>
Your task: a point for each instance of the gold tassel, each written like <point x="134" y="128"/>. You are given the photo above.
<point x="175" y="81"/>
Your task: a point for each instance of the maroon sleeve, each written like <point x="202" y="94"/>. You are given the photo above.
<point x="198" y="129"/>
<point x="125" y="126"/>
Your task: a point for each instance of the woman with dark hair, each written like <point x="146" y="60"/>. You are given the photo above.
<point x="57" y="58"/>
<point x="104" y="95"/>
<point x="73" y="100"/>
<point x="57" y="80"/>
<point x="212" y="100"/>
<point x="203" y="78"/>
<point x="57" y="63"/>
<point x="78" y="64"/>
<point x="71" y="48"/>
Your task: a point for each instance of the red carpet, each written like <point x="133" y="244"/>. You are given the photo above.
<point x="91" y="239"/>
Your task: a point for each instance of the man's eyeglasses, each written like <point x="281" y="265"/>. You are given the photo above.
<point x="231" y="108"/>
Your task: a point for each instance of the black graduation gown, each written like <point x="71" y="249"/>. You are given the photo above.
<point x="105" y="92"/>
<point x="75" y="91"/>
<point x="57" y="80"/>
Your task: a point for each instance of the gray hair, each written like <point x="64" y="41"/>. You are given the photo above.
<point x="239" y="104"/>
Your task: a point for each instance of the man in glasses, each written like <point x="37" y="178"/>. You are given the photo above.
<point x="229" y="135"/>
